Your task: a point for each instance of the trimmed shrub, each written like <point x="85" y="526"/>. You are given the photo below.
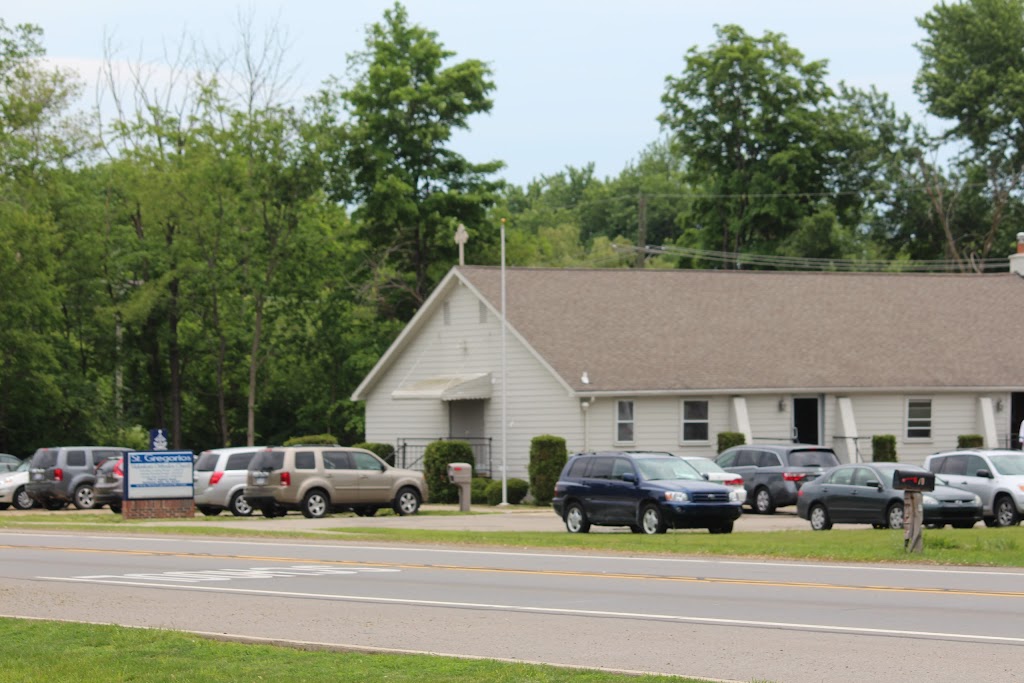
<point x="883" y="448"/>
<point x="730" y="439"/>
<point x="517" y="490"/>
<point x="312" y="440"/>
<point x="493" y="492"/>
<point x="970" y="441"/>
<point x="435" y="468"/>
<point x="384" y="451"/>
<point x="547" y="458"/>
<point x="478" y="490"/>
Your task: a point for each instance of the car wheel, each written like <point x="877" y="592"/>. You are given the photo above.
<point x="724" y="528"/>
<point x="894" y="516"/>
<point x="55" y="505"/>
<point x="652" y="521"/>
<point x="270" y="511"/>
<point x="820" y="521"/>
<point x="364" y="510"/>
<point x="4" y="506"/>
<point x="636" y="528"/>
<point x="208" y="511"/>
<point x="85" y="497"/>
<point x="23" y="501"/>
<point x="314" y="505"/>
<point x="1005" y="512"/>
<point x="115" y="508"/>
<point x="576" y="521"/>
<point x="407" y="502"/>
<point x="239" y="506"/>
<point x="763" y="503"/>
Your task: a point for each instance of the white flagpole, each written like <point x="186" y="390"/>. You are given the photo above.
<point x="504" y="380"/>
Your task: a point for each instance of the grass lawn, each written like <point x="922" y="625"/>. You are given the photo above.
<point x="45" y="652"/>
<point x="979" y="546"/>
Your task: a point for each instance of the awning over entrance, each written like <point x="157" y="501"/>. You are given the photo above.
<point x="447" y="388"/>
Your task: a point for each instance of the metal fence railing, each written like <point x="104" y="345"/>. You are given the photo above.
<point x="409" y="452"/>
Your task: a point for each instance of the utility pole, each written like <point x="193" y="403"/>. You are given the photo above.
<point x="641" y="241"/>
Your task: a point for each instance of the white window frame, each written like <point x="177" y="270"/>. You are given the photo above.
<point x="619" y="422"/>
<point x="683" y="421"/>
<point x="919" y="423"/>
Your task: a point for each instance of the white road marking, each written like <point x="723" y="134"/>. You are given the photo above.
<point x="567" y="612"/>
<point x="229" y="574"/>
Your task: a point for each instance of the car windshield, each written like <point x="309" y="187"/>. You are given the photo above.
<point x="813" y="459"/>
<point x="656" y="469"/>
<point x="1008" y="464"/>
<point x="704" y="466"/>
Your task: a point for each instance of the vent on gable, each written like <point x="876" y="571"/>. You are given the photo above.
<point x="446" y="312"/>
<point x="483" y="312"/>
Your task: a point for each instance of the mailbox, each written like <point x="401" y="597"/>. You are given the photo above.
<point x="461" y="474"/>
<point x="913" y="480"/>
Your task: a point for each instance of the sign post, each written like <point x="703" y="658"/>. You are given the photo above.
<point x="158" y="484"/>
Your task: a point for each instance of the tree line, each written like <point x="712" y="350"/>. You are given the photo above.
<point x="227" y="265"/>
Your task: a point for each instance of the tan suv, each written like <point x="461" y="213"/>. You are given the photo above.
<point x="316" y="480"/>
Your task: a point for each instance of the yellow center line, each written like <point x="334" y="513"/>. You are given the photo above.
<point x="540" y="572"/>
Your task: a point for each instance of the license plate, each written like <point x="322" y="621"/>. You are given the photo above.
<point x="259" y="479"/>
<point x="38" y="476"/>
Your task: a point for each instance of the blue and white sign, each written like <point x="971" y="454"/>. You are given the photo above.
<point x="158" y="439"/>
<point x="158" y="474"/>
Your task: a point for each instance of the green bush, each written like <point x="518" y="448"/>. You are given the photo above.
<point x="493" y="492"/>
<point x="517" y="490"/>
<point x="730" y="439"/>
<point x="384" y="451"/>
<point x="478" y="490"/>
<point x="547" y="458"/>
<point x="883" y="448"/>
<point x="970" y="441"/>
<point x="312" y="440"/>
<point x="435" y="468"/>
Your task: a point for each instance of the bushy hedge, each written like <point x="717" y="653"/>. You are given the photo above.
<point x="547" y="458"/>
<point x="730" y="439"/>
<point x="312" y="440"/>
<point x="384" y="451"/>
<point x="970" y="441"/>
<point x="478" y="490"/>
<point x="517" y="490"/>
<point x="883" y="448"/>
<point x="435" y="468"/>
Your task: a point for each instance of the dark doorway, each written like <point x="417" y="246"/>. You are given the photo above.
<point x="466" y="419"/>
<point x="1016" y="417"/>
<point x="806" y="420"/>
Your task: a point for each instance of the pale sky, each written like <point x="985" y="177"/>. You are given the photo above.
<point x="576" y="81"/>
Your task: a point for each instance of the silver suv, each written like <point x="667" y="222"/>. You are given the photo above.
<point x="219" y="479"/>
<point x="316" y="480"/>
<point x="995" y="475"/>
<point x="58" y="476"/>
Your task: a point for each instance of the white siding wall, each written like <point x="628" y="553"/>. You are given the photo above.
<point x="538" y="403"/>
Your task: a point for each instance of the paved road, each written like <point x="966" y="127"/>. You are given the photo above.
<point x="779" y="621"/>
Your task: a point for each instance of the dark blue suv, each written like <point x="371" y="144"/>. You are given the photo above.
<point x="648" y="492"/>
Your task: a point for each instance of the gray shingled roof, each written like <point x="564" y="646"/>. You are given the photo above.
<point x="692" y="330"/>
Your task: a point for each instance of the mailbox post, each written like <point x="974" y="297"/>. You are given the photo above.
<point x="461" y="474"/>
<point x="913" y="483"/>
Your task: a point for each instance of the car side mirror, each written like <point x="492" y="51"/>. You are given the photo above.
<point x="985" y="474"/>
<point x="874" y="484"/>
<point x="630" y="477"/>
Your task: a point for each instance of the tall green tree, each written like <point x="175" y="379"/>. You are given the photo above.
<point x="972" y="75"/>
<point x="394" y="153"/>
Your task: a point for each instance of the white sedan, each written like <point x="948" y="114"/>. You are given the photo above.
<point x="712" y="472"/>
<point x="12" y="488"/>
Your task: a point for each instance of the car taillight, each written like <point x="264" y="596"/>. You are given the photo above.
<point x="58" y="474"/>
<point x="118" y="470"/>
<point x="215" y="477"/>
<point x="794" y="476"/>
<point x="733" y="482"/>
<point x="286" y="479"/>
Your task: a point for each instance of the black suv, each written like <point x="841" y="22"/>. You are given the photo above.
<point x="648" y="492"/>
<point x="774" y="473"/>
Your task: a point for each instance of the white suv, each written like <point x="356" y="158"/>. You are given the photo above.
<point x="995" y="475"/>
<point x="219" y="480"/>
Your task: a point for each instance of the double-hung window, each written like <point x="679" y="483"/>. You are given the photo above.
<point x="919" y="418"/>
<point x="624" y="422"/>
<point x="695" y="421"/>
